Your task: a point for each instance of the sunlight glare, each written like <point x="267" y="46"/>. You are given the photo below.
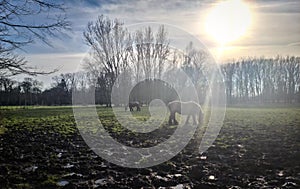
<point x="228" y="21"/>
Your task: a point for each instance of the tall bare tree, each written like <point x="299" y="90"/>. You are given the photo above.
<point x="109" y="42"/>
<point x="150" y="52"/>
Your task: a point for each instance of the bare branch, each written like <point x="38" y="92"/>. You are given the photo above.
<point x="16" y="31"/>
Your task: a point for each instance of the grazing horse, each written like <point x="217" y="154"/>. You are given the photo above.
<point x="185" y="108"/>
<point x="131" y="105"/>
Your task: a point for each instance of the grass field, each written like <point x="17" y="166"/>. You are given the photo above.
<point x="257" y="147"/>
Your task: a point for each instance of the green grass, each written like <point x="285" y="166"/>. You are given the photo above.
<point x="56" y="119"/>
<point x="60" y="119"/>
<point x="250" y="125"/>
<point x="263" y="116"/>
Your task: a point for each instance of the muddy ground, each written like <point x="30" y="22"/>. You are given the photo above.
<point x="256" y="148"/>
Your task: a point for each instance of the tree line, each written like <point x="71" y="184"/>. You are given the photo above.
<point x="119" y="59"/>
<point x="248" y="80"/>
<point x="263" y="80"/>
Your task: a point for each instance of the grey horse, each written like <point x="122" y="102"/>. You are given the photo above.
<point x="131" y="105"/>
<point x="189" y="108"/>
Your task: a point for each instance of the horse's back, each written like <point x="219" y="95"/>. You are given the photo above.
<point x="185" y="108"/>
<point x="135" y="103"/>
<point x="190" y="107"/>
<point x="175" y="106"/>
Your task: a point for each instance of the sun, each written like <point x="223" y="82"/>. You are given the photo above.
<point x="228" y="21"/>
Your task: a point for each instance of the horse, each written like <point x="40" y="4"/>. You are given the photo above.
<point x="189" y="108"/>
<point x="131" y="105"/>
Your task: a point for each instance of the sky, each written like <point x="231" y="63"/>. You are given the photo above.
<point x="274" y="29"/>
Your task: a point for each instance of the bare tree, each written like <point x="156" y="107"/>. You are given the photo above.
<point x="23" y="22"/>
<point x="69" y="78"/>
<point x="109" y="42"/>
<point x="228" y="72"/>
<point x="150" y="52"/>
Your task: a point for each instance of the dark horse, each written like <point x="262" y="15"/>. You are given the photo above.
<point x="185" y="108"/>
<point x="131" y="105"/>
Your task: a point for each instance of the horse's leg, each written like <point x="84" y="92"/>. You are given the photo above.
<point x="194" y="120"/>
<point x="187" y="119"/>
<point x="170" y="119"/>
<point x="131" y="108"/>
<point x="200" y="121"/>
<point x="174" y="118"/>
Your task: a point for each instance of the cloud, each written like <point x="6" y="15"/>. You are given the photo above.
<point x="274" y="6"/>
<point x="65" y="62"/>
<point x="275" y="30"/>
<point x="294" y="44"/>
